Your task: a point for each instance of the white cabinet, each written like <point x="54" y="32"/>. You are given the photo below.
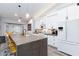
<point x="39" y="21"/>
<point x="73" y="31"/>
<point x="62" y="14"/>
<point x="71" y="44"/>
<point x="73" y="12"/>
<point x="73" y="24"/>
<point x="56" y="18"/>
<point x="52" y="40"/>
<point x="69" y="48"/>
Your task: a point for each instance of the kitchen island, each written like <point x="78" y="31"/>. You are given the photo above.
<point x="30" y="45"/>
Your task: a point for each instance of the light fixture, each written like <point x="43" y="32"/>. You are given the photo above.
<point x="15" y="14"/>
<point x="19" y="14"/>
<point x="19" y="20"/>
<point x="27" y="15"/>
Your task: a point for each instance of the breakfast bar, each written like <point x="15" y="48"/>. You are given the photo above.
<point x="30" y="45"/>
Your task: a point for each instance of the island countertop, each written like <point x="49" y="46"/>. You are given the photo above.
<point x="19" y="39"/>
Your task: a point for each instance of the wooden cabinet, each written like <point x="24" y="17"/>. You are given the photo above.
<point x="36" y="48"/>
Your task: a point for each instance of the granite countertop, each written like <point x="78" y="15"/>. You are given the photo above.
<point x="19" y="39"/>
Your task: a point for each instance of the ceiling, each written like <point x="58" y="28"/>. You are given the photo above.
<point x="7" y="10"/>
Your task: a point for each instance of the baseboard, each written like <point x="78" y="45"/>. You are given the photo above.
<point x="65" y="53"/>
<point x="53" y="47"/>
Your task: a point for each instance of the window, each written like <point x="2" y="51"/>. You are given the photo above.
<point x="14" y="28"/>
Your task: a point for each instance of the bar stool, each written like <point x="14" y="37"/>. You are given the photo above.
<point x="11" y="44"/>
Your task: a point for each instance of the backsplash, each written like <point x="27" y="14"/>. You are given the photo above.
<point x="47" y="31"/>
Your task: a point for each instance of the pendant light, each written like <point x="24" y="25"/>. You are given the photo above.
<point x="15" y="14"/>
<point x="27" y="12"/>
<point x="27" y="15"/>
<point x="20" y="18"/>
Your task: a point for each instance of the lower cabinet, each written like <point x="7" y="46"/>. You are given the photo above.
<point x="52" y="40"/>
<point x="69" y="48"/>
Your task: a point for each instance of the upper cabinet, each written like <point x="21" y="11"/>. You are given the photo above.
<point x="73" y="12"/>
<point x="62" y="14"/>
<point x="55" y="18"/>
<point x="40" y="21"/>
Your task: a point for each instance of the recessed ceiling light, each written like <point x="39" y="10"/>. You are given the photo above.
<point x="15" y="14"/>
<point x="27" y="15"/>
<point x="19" y="20"/>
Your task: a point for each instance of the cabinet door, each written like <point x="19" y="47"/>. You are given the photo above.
<point x="55" y="41"/>
<point x="49" y="40"/>
<point x="69" y="48"/>
<point x="73" y="12"/>
<point x="62" y="14"/>
<point x="73" y="31"/>
<point x="52" y="41"/>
